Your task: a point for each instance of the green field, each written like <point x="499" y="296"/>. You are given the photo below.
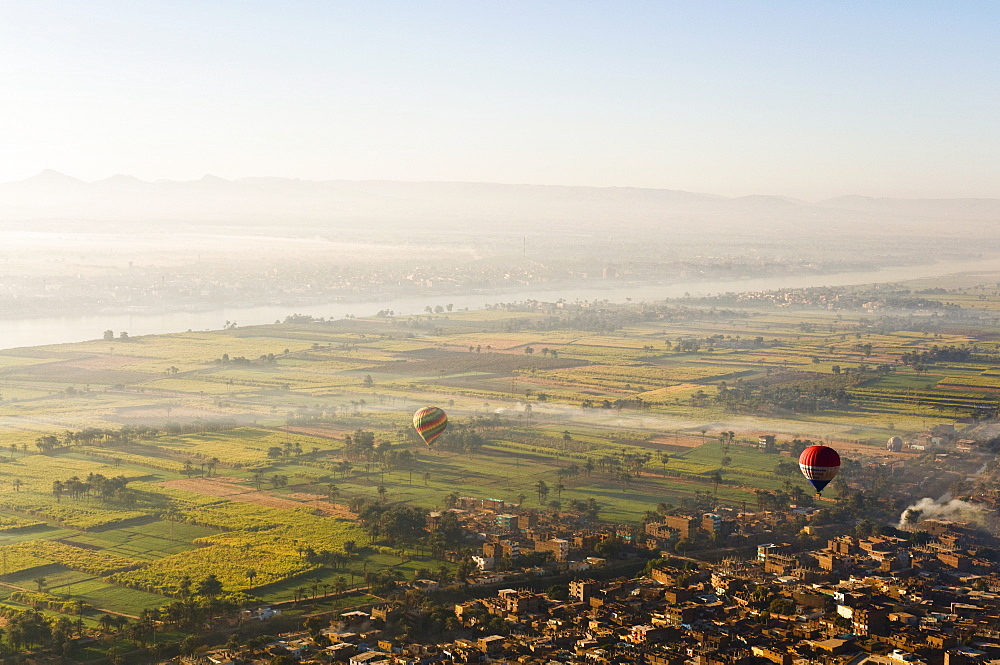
<point x="232" y="443"/>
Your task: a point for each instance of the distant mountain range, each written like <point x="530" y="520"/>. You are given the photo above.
<point x="52" y="198"/>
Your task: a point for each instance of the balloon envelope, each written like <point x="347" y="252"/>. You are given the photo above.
<point x="819" y="464"/>
<point x="430" y="422"/>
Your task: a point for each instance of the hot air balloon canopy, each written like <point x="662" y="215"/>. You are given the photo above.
<point x="430" y="422"/>
<point x="819" y="464"/>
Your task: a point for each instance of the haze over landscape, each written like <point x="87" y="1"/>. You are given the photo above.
<point x="482" y="148"/>
<point x="393" y="333"/>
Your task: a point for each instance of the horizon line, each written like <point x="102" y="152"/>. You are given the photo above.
<point x="212" y="177"/>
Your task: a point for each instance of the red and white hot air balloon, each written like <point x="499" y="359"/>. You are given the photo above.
<point x="819" y="464"/>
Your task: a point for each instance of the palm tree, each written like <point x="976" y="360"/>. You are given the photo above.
<point x="210" y="586"/>
<point x="120" y="621"/>
<point x="798" y="494"/>
<point x="543" y="490"/>
<point x="251" y="574"/>
<point x="716" y="479"/>
<point x="40" y="581"/>
<point x="106" y="622"/>
<point x="339" y="585"/>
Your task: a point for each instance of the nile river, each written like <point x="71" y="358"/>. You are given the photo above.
<point x="78" y="328"/>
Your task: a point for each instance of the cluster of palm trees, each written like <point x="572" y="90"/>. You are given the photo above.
<point x="397" y="525"/>
<point x="360" y="444"/>
<point x="30" y="627"/>
<point x="277" y="480"/>
<point x="343" y="468"/>
<point x="778" y="499"/>
<point x="543" y="491"/>
<point x="95" y="484"/>
<point x="13" y="448"/>
<point x="726" y="438"/>
<point x="574" y="470"/>
<point x="286" y="449"/>
<point x="207" y="467"/>
<point x="381" y="457"/>
<point x="140" y="630"/>
<point x="464" y="439"/>
<point x="623" y="462"/>
<point x="308" y="415"/>
<point x="333" y="559"/>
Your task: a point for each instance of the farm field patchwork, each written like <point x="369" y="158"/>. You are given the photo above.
<point x="249" y="468"/>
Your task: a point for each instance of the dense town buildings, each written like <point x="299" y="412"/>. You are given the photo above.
<point x="928" y="595"/>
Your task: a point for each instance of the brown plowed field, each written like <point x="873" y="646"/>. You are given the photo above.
<point x="236" y="491"/>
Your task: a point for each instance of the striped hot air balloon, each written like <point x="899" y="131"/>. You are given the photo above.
<point x="819" y="465"/>
<point x="430" y="422"/>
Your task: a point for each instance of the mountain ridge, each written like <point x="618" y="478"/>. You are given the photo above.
<point x="394" y="206"/>
<point x="51" y="176"/>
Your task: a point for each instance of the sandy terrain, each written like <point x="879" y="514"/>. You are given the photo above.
<point x="682" y="441"/>
<point x="242" y="491"/>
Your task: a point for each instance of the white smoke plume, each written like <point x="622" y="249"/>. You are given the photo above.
<point x="945" y="508"/>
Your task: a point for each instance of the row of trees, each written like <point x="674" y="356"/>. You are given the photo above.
<point x="919" y="359"/>
<point x="635" y="403"/>
<point x="107" y="436"/>
<point x="804" y="396"/>
<point x="124" y="435"/>
<point x="286" y="449"/>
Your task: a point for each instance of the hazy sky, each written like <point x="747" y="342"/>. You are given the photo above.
<point x="807" y="99"/>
